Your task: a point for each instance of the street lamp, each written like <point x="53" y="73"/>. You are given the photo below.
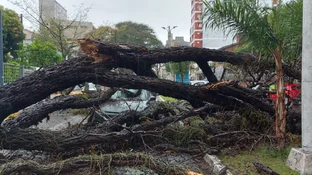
<point x="169" y="30"/>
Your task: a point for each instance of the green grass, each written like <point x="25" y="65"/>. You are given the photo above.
<point x="168" y="98"/>
<point x="241" y="163"/>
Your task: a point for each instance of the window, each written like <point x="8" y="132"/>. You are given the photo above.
<point x="199" y="16"/>
<point x="199" y="7"/>
<point x="200" y="25"/>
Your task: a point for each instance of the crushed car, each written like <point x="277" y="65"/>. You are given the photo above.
<point x="125" y="100"/>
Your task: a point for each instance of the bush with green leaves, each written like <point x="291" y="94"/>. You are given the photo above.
<point x="38" y="53"/>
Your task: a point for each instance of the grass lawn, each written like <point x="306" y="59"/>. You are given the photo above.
<point x="241" y="163"/>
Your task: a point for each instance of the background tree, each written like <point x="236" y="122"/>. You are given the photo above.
<point x="61" y="32"/>
<point x="267" y="29"/>
<point x="12" y="32"/>
<point x="137" y="34"/>
<point x="179" y="68"/>
<point x="131" y="33"/>
<point x="40" y="54"/>
<point x="103" y="33"/>
<point x="127" y="32"/>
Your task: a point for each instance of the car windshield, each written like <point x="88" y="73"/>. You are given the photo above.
<point x="133" y="94"/>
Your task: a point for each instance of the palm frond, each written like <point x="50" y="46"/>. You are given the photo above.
<point x="246" y="18"/>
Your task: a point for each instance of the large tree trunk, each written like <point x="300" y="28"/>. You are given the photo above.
<point x="219" y="93"/>
<point x="31" y="89"/>
<point x="37" y="112"/>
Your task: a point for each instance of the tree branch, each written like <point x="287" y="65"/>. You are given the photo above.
<point x="203" y="65"/>
<point x="37" y="112"/>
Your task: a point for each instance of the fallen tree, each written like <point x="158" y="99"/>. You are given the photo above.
<point x="74" y="139"/>
<point x="157" y="126"/>
<point x="85" y="69"/>
<point x="37" y="112"/>
<point x="101" y="163"/>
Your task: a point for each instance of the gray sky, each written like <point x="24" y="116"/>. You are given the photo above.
<point x="155" y="13"/>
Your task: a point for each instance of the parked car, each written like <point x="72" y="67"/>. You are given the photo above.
<point x="125" y="100"/>
<point x="199" y="82"/>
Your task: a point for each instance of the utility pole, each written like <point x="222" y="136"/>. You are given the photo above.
<point x="1" y="52"/>
<point x="307" y="76"/>
<point x="300" y="158"/>
<point x="170" y="38"/>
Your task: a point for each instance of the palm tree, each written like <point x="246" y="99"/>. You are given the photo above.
<point x="269" y="29"/>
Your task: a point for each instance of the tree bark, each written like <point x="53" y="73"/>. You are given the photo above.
<point x="203" y="65"/>
<point x="101" y="163"/>
<point x="43" y="83"/>
<point x="31" y="89"/>
<point x="280" y="109"/>
<point x="71" y="141"/>
<point x="37" y="112"/>
<point x="262" y="169"/>
<point x="133" y="56"/>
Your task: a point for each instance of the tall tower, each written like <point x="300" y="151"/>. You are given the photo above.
<point x="196" y="31"/>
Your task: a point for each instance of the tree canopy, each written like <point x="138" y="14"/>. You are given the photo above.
<point x="179" y="68"/>
<point x="61" y="32"/>
<point x="39" y="53"/>
<point x="127" y="32"/>
<point x="12" y="32"/>
<point x="103" y="33"/>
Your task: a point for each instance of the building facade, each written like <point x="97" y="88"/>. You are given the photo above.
<point x="77" y="29"/>
<point x="28" y="36"/>
<point x="203" y="37"/>
<point x="51" y="9"/>
<point x="196" y="31"/>
<point x="178" y="41"/>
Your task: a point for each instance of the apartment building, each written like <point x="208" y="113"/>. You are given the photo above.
<point x="51" y="9"/>
<point x="196" y="31"/>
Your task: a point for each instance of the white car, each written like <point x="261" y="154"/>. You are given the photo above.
<point x="199" y="82"/>
<point x="125" y="100"/>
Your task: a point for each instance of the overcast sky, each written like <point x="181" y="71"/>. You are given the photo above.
<point x="155" y="13"/>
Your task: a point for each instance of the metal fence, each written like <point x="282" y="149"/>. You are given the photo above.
<point x="12" y="72"/>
